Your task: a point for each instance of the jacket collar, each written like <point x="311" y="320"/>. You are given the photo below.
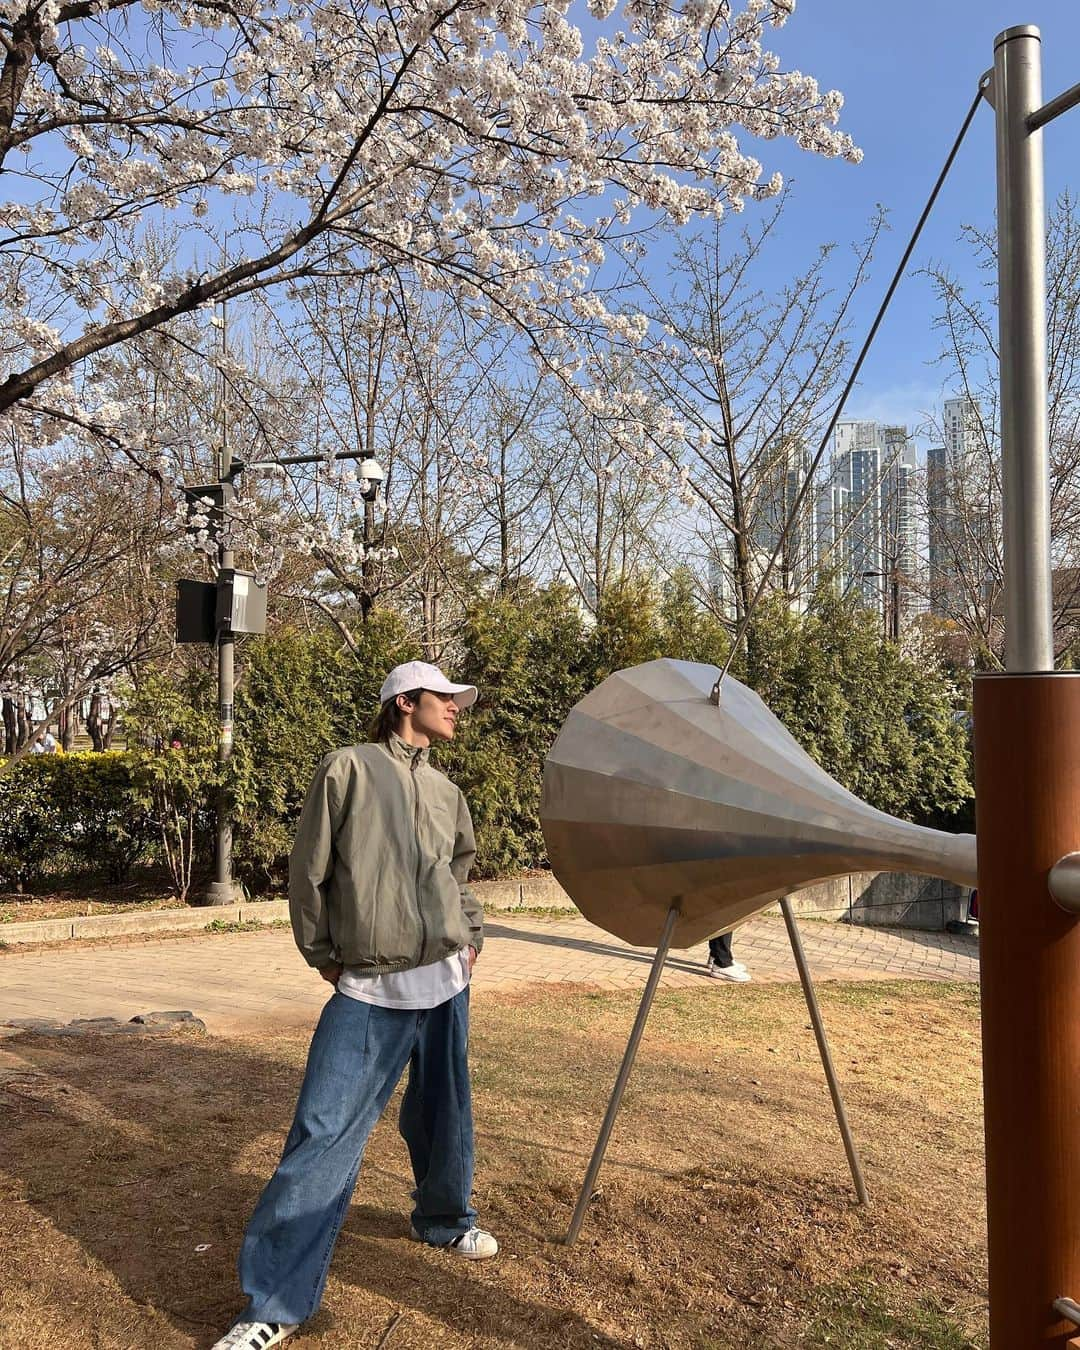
<point x="406" y="753"/>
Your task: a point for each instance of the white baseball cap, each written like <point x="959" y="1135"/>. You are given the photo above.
<point x="419" y="675"/>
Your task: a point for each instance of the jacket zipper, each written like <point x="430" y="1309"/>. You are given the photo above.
<point x="419" y="856"/>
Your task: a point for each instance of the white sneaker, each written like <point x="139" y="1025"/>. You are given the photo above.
<point x="736" y="973"/>
<point x="475" y="1245"/>
<point x="255" y="1335"/>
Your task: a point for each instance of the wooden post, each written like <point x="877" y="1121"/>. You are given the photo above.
<point x="1027" y="770"/>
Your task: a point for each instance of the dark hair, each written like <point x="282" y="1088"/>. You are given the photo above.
<point x="388" y="718"/>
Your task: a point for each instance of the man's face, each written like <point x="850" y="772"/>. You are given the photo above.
<point x="433" y="716"/>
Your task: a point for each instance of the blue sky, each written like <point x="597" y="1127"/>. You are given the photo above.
<point x="908" y="72"/>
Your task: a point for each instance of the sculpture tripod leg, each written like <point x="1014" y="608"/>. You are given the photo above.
<point x="630" y="1055"/>
<point x="823" y="1049"/>
<point x="624" y="1074"/>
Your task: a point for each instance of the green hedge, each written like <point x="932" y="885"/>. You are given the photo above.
<point x="77" y="812"/>
<point x="887" y="726"/>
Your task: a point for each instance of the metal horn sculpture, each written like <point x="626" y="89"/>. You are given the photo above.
<point x="670" y="817"/>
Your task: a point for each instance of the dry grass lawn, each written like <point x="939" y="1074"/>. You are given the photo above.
<point x="725" y="1216"/>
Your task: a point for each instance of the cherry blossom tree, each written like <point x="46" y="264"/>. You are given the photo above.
<point x="610" y="520"/>
<point x="487" y="150"/>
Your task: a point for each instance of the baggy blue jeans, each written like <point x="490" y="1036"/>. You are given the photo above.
<point x="358" y="1054"/>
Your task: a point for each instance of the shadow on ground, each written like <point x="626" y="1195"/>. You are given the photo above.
<point x="142" y="1168"/>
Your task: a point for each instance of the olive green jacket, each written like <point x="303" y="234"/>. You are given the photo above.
<point x="379" y="868"/>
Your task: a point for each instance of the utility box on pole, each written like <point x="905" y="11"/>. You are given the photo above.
<point x="241" y="602"/>
<point x="196" y="611"/>
<point x="209" y="500"/>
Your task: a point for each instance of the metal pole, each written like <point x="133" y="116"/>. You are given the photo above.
<point x="222" y="890"/>
<point x="367" y="569"/>
<point x="823" y="1049"/>
<point x="1017" y="93"/>
<point x="624" y="1075"/>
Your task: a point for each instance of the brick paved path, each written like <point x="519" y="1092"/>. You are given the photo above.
<point x="247" y="979"/>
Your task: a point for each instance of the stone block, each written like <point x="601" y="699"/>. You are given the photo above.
<point x="545" y="893"/>
<point x="163" y="1019"/>
<point x="94" y="1026"/>
<point x="498" y="894"/>
<point x="263" y="911"/>
<point x="146" y="1024"/>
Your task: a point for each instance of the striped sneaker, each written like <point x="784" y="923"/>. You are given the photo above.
<point x="255" y="1335"/>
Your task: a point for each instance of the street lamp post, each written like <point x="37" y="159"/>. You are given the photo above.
<point x="222" y="889"/>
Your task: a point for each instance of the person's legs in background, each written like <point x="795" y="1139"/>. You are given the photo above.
<point x="722" y="965"/>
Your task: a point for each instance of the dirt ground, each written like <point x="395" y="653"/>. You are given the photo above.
<point x="69" y="898"/>
<point x="725" y="1215"/>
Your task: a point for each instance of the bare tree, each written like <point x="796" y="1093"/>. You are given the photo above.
<point x="963" y="500"/>
<point x="754" y="374"/>
<point x="608" y="515"/>
<point x="76" y="606"/>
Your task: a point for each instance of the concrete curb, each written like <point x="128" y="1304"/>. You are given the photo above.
<point x="141" y="921"/>
<point x="533" y="892"/>
<point x="885" y="899"/>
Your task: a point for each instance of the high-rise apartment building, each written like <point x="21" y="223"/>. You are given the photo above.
<point x="959" y="525"/>
<point x="870" y="500"/>
<point x="900" y="529"/>
<point x="831" y="533"/>
<point x="940" y="559"/>
<point x="860" y="471"/>
<point x="780" y="522"/>
<point x="961" y="424"/>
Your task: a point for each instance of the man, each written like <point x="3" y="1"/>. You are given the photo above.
<point x="381" y="908"/>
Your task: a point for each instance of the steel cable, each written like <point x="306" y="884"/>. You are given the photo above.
<point x="850" y="384"/>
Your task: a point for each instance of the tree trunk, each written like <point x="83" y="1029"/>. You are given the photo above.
<point x="10" y="725"/>
<point x="367" y="567"/>
<point x="94" y="722"/>
<point x="66" y="728"/>
<point x="108" y="722"/>
<point x="429" y="636"/>
<point x="23" y="722"/>
<point x="744" y="586"/>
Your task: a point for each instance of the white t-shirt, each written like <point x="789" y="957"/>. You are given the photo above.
<point x="421" y="987"/>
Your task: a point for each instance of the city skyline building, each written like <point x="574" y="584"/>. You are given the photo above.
<point x="781" y="526"/>
<point x="903" y="534"/>
<point x="902" y="593"/>
<point x="867" y="518"/>
<point x="959" y="528"/>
